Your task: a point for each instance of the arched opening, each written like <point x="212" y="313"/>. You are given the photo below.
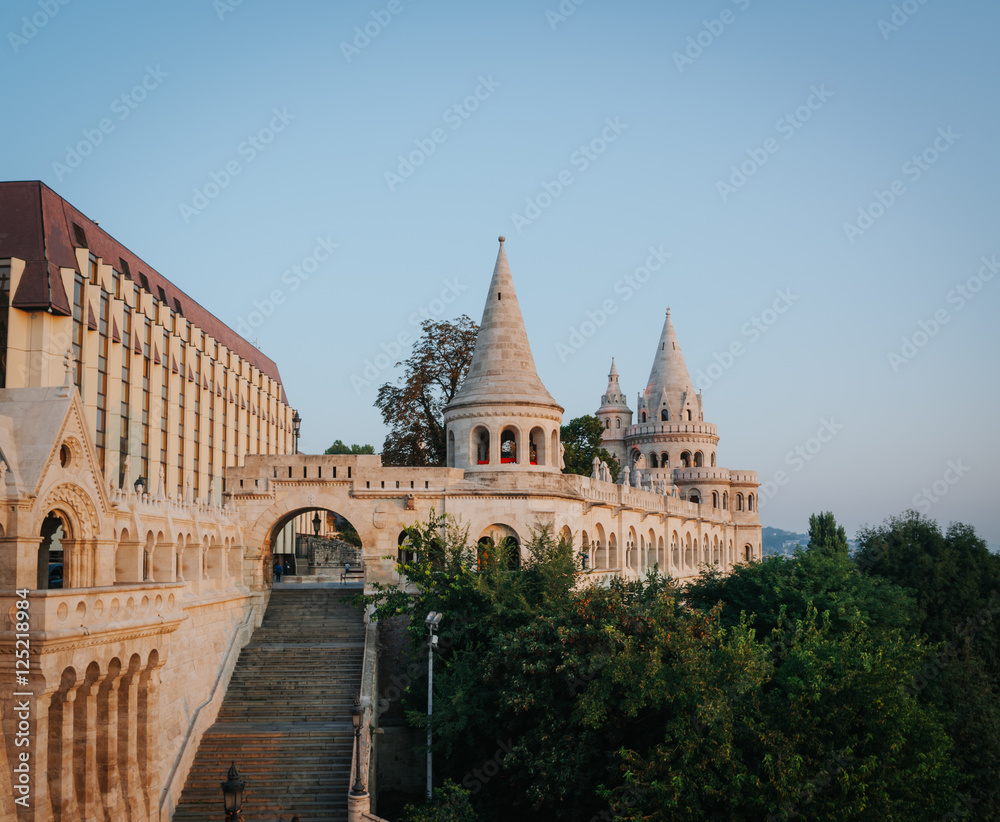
<point x="715" y="499"/>
<point x="715" y="551"/>
<point x="480" y="446"/>
<point x="451" y="448"/>
<point x="725" y="500"/>
<point x="51" y="567"/>
<point x="699" y="459"/>
<point x="404" y="551"/>
<point x="688" y="554"/>
<point x="689" y="415"/>
<point x="618" y="422"/>
<point x="695" y="497"/>
<point x="536" y="445"/>
<point x="499" y="543"/>
<point x="739" y="502"/>
<point x="653" y="460"/>
<point x="665" y="460"/>
<point x="607" y="424"/>
<point x="747" y="553"/>
<point x="586" y="555"/>
<point x="643" y="416"/>
<point x="314" y="542"/>
<point x="600" y="547"/>
<point x="631" y="550"/>
<point x="664" y="415"/>
<point x="675" y="552"/>
<point x="508" y="446"/>
<point x="750" y="502"/>
<point x="612" y="551"/>
<point x="685" y="459"/>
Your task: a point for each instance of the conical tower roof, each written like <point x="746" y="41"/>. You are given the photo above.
<point x="669" y="374"/>
<point x="502" y="369"/>
<point x="614" y="398"/>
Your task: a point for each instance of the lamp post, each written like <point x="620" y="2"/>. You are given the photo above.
<point x="296" y="427"/>
<point x="357" y="713"/>
<point x="140" y="486"/>
<point x="432" y="622"/>
<point x="583" y="560"/>
<point x="317" y="522"/>
<point x="232" y="794"/>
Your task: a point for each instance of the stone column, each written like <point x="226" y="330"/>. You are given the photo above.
<point x="40" y="751"/>
<point x="107" y="743"/>
<point x="104" y="570"/>
<point x="88" y="799"/>
<point x="150" y="734"/>
<point x="67" y="794"/>
<point x="128" y="722"/>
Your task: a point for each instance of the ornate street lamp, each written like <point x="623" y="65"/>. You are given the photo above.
<point x="317" y="522"/>
<point x="432" y="622"/>
<point x="232" y="794"/>
<point x="357" y="714"/>
<point x="140" y="486"/>
<point x="583" y="559"/>
<point x="296" y="427"/>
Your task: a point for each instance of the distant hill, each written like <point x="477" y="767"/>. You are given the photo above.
<point x="777" y="541"/>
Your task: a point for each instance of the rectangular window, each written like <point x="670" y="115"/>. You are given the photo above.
<point x="102" y="377"/>
<point x="126" y="389"/>
<point x="79" y="323"/>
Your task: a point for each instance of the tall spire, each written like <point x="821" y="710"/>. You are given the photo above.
<point x="613" y="396"/>
<point x="669" y="379"/>
<point x="502" y="369"/>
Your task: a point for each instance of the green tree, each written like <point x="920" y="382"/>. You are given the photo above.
<point x="825" y="535"/>
<point x="581" y="439"/>
<point x="414" y="409"/>
<point x="339" y="447"/>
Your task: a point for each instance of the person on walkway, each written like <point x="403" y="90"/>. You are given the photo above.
<point x="278" y="570"/>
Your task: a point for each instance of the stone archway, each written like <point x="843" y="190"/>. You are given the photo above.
<point x="81" y="525"/>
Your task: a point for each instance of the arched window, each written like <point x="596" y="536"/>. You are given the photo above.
<point x="665" y="460"/>
<point x="653" y="460"/>
<point x="685" y="459"/>
<point x="618" y="422"/>
<point x="404" y="552"/>
<point x="699" y="459"/>
<point x="715" y="499"/>
<point x="536" y="447"/>
<point x="750" y="502"/>
<point x="725" y="500"/>
<point x="481" y="445"/>
<point x="689" y="415"/>
<point x="508" y="446"/>
<point x="739" y="502"/>
<point x="747" y="552"/>
<point x="695" y="497"/>
<point x="451" y="449"/>
<point x="607" y="424"/>
<point x="643" y="416"/>
<point x="664" y="416"/>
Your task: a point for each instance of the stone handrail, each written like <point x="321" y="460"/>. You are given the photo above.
<point x="359" y="807"/>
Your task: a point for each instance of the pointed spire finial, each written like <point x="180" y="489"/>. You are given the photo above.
<point x="501" y="238"/>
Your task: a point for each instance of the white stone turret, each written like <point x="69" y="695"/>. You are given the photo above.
<point x="669" y="394"/>
<point x="616" y="416"/>
<point x="502" y="417"/>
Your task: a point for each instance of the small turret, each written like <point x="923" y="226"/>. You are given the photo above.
<point x="615" y="415"/>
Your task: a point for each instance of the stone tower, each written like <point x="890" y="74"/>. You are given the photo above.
<point x="502" y="418"/>
<point x="616" y="416"/>
<point x="670" y="429"/>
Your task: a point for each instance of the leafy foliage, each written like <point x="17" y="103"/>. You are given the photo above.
<point x="581" y="439"/>
<point x="339" y="447"/>
<point x="779" y="692"/>
<point x="414" y="410"/>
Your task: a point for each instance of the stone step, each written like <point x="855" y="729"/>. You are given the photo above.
<point x="286" y="716"/>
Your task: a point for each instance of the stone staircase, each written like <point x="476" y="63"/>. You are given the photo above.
<point x="286" y="717"/>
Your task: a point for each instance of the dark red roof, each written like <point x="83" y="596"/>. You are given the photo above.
<point x="41" y="228"/>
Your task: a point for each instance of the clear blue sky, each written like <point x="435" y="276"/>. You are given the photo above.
<point x="863" y="98"/>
